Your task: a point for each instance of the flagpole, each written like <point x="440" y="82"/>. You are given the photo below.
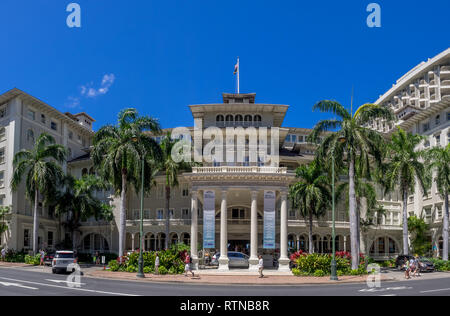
<point x="239" y="69"/>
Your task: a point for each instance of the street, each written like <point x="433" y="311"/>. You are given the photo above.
<point x="20" y="282"/>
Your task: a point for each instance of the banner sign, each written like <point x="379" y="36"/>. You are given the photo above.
<point x="269" y="219"/>
<point x="209" y="219"/>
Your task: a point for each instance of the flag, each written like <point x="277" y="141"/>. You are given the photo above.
<point x="236" y="68"/>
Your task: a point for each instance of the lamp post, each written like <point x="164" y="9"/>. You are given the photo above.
<point x="140" y="273"/>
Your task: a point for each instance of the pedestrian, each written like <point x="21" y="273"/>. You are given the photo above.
<point x="188" y="265"/>
<point x="157" y="264"/>
<point x="412" y="266"/>
<point x="97" y="260"/>
<point x="261" y="266"/>
<point x="417" y="266"/>
<point x="42" y="253"/>
<point x="4" y="254"/>
<point x="94" y="258"/>
<point x="406" y="267"/>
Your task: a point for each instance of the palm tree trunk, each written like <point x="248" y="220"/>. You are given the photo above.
<point x="353" y="217"/>
<point x="122" y="224"/>
<point x="310" y="234"/>
<point x="405" y="222"/>
<point x="167" y="217"/>
<point x="445" y="229"/>
<point x="35" y="222"/>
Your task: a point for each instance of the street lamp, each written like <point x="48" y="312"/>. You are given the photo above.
<point x="333" y="260"/>
<point x="140" y="273"/>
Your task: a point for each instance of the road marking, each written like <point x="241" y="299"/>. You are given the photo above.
<point x="66" y="282"/>
<point x="70" y="288"/>
<point x="7" y="284"/>
<point x="431" y="291"/>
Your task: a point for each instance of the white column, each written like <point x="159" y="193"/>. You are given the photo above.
<point x="223" y="259"/>
<point x="284" y="260"/>
<point x="253" y="261"/>
<point x="194" y="229"/>
<point x="132" y="242"/>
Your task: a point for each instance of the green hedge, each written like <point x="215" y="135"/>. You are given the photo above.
<point x="171" y="261"/>
<point x="320" y="265"/>
<point x="33" y="260"/>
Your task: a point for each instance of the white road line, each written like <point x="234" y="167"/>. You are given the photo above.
<point x="431" y="291"/>
<point x="66" y="282"/>
<point x="70" y="288"/>
<point x="7" y="284"/>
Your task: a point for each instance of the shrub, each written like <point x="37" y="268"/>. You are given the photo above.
<point x="171" y="261"/>
<point x="33" y="260"/>
<point x="319" y="273"/>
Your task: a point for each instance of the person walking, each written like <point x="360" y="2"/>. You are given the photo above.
<point x="417" y="266"/>
<point x="188" y="265"/>
<point x="261" y="266"/>
<point x="42" y="253"/>
<point x="157" y="264"/>
<point x="406" y="267"/>
<point x="4" y="254"/>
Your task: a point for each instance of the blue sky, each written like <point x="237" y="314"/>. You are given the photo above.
<point x="160" y="56"/>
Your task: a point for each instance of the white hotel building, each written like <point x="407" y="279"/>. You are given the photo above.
<point x="420" y="99"/>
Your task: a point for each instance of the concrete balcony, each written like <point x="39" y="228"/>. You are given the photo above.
<point x="239" y="169"/>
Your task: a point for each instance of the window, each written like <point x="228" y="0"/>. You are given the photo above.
<point x="54" y="126"/>
<point x="438" y="140"/>
<point x="31" y="115"/>
<point x="448" y="116"/>
<point x="220" y="118"/>
<point x="239" y="118"/>
<point x="70" y="135"/>
<point x="439" y="212"/>
<point x="30" y="136"/>
<point x="136" y="214"/>
<point x="288" y="139"/>
<point x="2" y="112"/>
<point x="50" y="239"/>
<point x="146" y="214"/>
<point x="229" y="118"/>
<point x="171" y="213"/>
<point x="300" y="139"/>
<point x="2" y="133"/>
<point x="2" y="155"/>
<point x="26" y="238"/>
<point x="2" y="200"/>
<point x="185" y="213"/>
<point x="160" y="214"/>
<point x="43" y="119"/>
<point x="69" y="153"/>
<point x="438" y="120"/>
<point x="294" y="138"/>
<point x="2" y="179"/>
<point x="426" y="127"/>
<point x="248" y="118"/>
<point x="185" y="191"/>
<point x="258" y="118"/>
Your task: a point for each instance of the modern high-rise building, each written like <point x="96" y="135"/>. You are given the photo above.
<point x="238" y="191"/>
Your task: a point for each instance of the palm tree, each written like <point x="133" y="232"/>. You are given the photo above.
<point x="171" y="168"/>
<point x="402" y="170"/>
<point x="311" y="194"/>
<point x="42" y="170"/>
<point x="77" y="199"/>
<point x="117" y="154"/>
<point x="438" y="159"/>
<point x="353" y="140"/>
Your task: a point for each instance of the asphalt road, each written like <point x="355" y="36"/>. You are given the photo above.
<point x="19" y="282"/>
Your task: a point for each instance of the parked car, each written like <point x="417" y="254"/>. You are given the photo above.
<point x="63" y="262"/>
<point x="237" y="259"/>
<point x="48" y="259"/>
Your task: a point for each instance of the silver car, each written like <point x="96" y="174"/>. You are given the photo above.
<point x="63" y="262"/>
<point x="237" y="260"/>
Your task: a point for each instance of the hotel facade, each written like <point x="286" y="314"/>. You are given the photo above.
<point x="420" y="100"/>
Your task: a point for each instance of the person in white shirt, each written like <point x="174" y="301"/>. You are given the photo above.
<point x="157" y="264"/>
<point x="3" y="254"/>
<point x="261" y="266"/>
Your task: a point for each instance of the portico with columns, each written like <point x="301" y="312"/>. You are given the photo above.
<point x="242" y="194"/>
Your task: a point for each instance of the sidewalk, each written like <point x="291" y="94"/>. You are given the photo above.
<point x="229" y="278"/>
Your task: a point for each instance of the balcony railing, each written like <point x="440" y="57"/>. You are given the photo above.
<point x="239" y="169"/>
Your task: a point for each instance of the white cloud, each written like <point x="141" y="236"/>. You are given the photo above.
<point x="90" y="92"/>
